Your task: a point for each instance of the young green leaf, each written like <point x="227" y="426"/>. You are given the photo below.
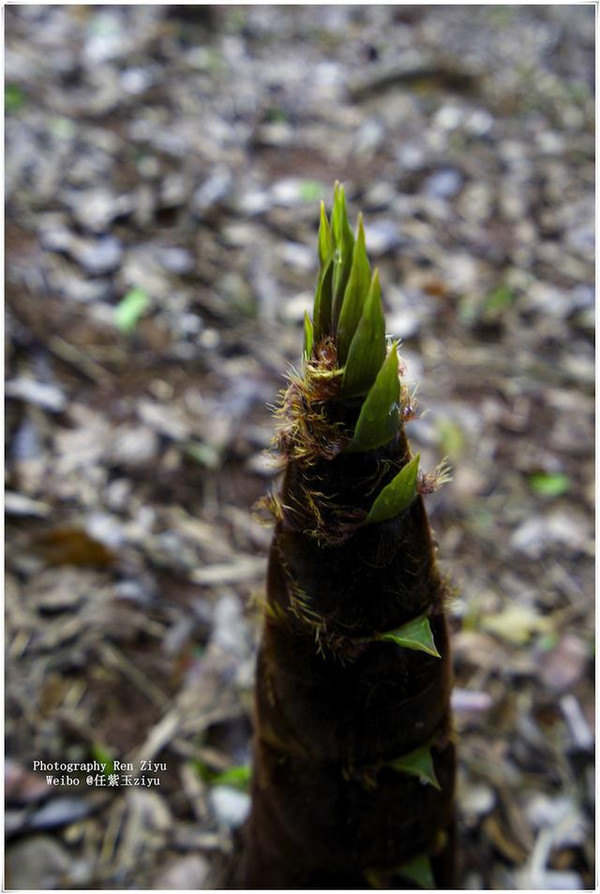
<point x="343" y="245"/>
<point x="308" y="335"/>
<point x="418" y="763"/>
<point x="378" y="419"/>
<point x="549" y="484"/>
<point x="418" y="870"/>
<point x="355" y="295"/>
<point x="396" y="496"/>
<point x="367" y="348"/>
<point x="414" y="635"/>
<point x="310" y="189"/>
<point x="322" y="308"/>
<point x="236" y="777"/>
<point x="325" y="241"/>
<point x="100" y="754"/>
<point x="130" y="309"/>
<point x="14" y="98"/>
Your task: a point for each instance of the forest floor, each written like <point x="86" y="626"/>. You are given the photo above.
<point x="163" y="171"/>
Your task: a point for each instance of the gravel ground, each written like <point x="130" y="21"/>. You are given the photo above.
<point x="163" y="172"/>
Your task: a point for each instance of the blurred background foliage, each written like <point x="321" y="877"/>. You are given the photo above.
<point x="163" y="170"/>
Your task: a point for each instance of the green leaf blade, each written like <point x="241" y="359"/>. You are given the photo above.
<point x="324" y="238"/>
<point x="549" y="484"/>
<point x="14" y="98"/>
<point x="129" y="310"/>
<point x="343" y="247"/>
<point x="322" y="307"/>
<point x="417" y="763"/>
<point x="355" y="296"/>
<point x="235" y="777"/>
<point x="418" y="870"/>
<point x="308" y="335"/>
<point x="397" y="496"/>
<point x="378" y="419"/>
<point x="415" y="635"/>
<point x="367" y="348"/>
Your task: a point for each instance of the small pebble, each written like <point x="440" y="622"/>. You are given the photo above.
<point x="444" y="184"/>
<point x="40" y="394"/>
<point x="230" y="805"/>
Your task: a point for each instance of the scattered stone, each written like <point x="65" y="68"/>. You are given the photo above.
<point x="176" y="260"/>
<point x="444" y="184"/>
<point x="384" y="235"/>
<point x="563" y="666"/>
<point x="40" y="394"/>
<point x="230" y="631"/>
<point x="37" y="863"/>
<point x="97" y="257"/>
<point x="20" y="504"/>
<point x="465" y="701"/>
<point x="127" y="126"/>
<point x="216" y="188"/>
<point x="131" y="446"/>
<point x="581" y="734"/>
<point x="231" y="806"/>
<point x="61" y="589"/>
<point x="162" y="419"/>
<point x="537" y="535"/>
<point x="185" y="873"/>
<point x="61" y="812"/>
<point x="476" y="800"/>
<point x="22" y="786"/>
<point x="95" y="209"/>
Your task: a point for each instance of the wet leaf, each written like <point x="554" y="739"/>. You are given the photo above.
<point x="397" y="495"/>
<point x="414" y="635"/>
<point x="550" y="484"/>
<point x="367" y="348"/>
<point x="355" y="295"/>
<point x="418" y="763"/>
<point x="130" y="309"/>
<point x="378" y="420"/>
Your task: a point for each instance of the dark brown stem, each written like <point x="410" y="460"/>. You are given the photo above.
<point x="334" y="706"/>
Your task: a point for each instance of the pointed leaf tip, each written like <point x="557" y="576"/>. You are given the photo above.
<point x="308" y="335"/>
<point x="414" y="635"/>
<point x="324" y="238"/>
<point x="396" y="496"/>
<point x="366" y="353"/>
<point x="418" y="870"/>
<point x="378" y="419"/>
<point x="343" y="244"/>
<point x="418" y="763"/>
<point x="322" y="306"/>
<point x="355" y="296"/>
